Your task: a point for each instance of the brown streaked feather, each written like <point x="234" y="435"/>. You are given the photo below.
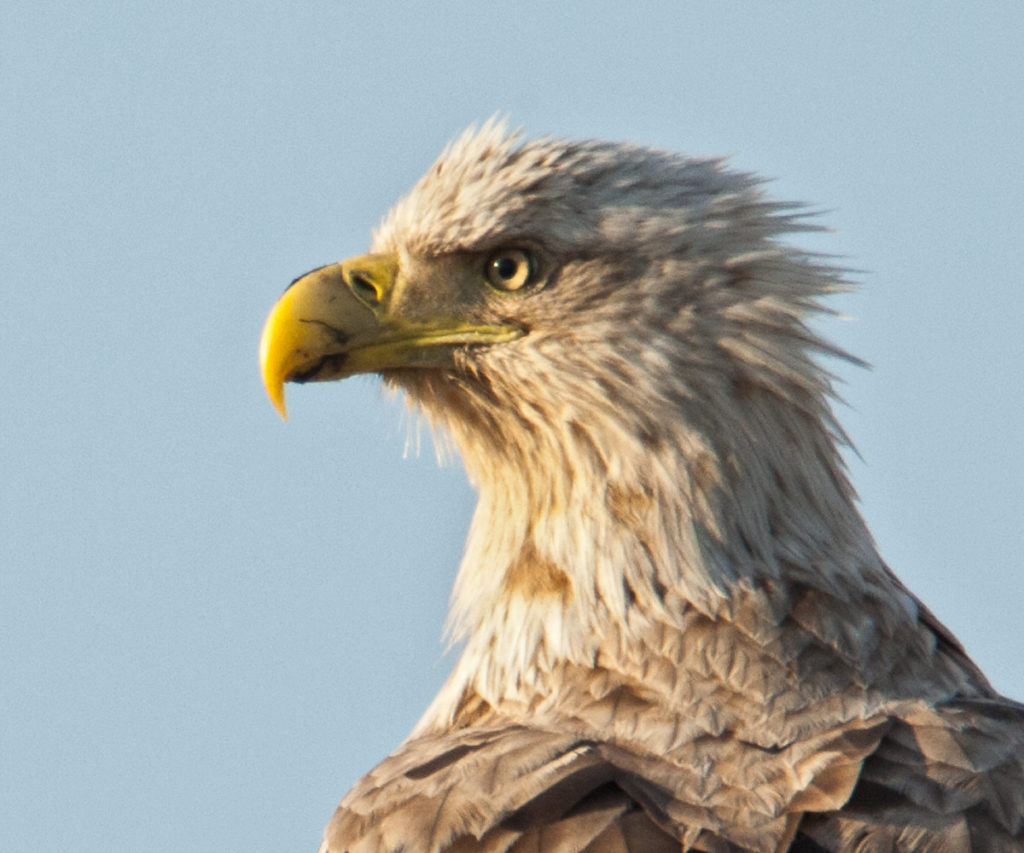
<point x="930" y="780"/>
<point x="533" y="576"/>
<point x="944" y="778"/>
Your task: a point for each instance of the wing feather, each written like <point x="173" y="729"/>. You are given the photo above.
<point x="929" y="779"/>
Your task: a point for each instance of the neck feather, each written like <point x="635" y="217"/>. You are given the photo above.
<point x="576" y="556"/>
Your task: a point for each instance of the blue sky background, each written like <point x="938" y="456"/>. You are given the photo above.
<point x="211" y="622"/>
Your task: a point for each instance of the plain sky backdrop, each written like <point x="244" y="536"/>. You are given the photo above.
<point x="212" y="622"/>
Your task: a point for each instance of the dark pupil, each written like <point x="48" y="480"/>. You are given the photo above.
<point x="506" y="267"/>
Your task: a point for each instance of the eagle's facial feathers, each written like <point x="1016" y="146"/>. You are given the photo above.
<point x="637" y="269"/>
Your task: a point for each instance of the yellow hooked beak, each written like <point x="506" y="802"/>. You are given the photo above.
<point x="360" y="316"/>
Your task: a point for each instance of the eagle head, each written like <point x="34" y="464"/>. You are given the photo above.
<point x="526" y="289"/>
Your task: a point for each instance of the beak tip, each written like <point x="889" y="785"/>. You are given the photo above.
<point x="275" y="391"/>
<point x="272" y="369"/>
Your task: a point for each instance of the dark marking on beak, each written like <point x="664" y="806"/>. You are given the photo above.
<point x="339" y="336"/>
<point x="330" y="365"/>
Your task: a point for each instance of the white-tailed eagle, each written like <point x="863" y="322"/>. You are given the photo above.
<point x="678" y="633"/>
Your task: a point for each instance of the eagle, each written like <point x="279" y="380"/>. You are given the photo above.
<point x="677" y="631"/>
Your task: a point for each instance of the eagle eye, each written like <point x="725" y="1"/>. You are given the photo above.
<point x="510" y="269"/>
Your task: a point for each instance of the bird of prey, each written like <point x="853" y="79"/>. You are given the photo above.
<point x="677" y="631"/>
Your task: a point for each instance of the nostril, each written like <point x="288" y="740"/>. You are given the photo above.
<point x="364" y="288"/>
